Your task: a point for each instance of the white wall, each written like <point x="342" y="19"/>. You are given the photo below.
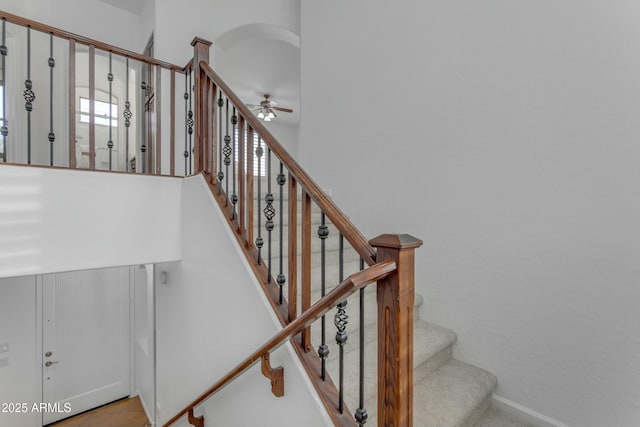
<point x="19" y="379"/>
<point x="57" y="220"/>
<point x="213" y="286"/>
<point x="512" y="128"/>
<point x="142" y="279"/>
<point x="115" y="26"/>
<point x="287" y="135"/>
<point x="177" y="23"/>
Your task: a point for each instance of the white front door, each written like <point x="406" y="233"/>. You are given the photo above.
<point x="85" y="343"/>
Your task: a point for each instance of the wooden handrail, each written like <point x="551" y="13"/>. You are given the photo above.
<point x="337" y="217"/>
<point x="18" y="20"/>
<point x="340" y="293"/>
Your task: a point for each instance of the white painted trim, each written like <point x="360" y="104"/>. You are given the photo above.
<point x="144" y="406"/>
<point x="39" y="342"/>
<point x="151" y="278"/>
<point x="263" y="298"/>
<point x="132" y="335"/>
<point x="526" y="415"/>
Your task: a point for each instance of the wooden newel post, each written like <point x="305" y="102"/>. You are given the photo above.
<point x="395" y="330"/>
<point x="200" y="53"/>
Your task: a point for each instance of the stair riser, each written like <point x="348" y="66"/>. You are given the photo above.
<point x="479" y="411"/>
<point x="432" y="364"/>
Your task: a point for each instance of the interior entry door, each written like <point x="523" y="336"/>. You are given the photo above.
<point x="85" y="342"/>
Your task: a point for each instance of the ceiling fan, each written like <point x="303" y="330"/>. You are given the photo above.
<point x="265" y="110"/>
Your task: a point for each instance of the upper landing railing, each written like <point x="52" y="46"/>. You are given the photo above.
<point x="114" y="111"/>
<point x="300" y="245"/>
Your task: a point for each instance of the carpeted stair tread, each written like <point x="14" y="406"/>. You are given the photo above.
<point x="431" y="342"/>
<point x="450" y="396"/>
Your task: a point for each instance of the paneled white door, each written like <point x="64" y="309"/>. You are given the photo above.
<point x="85" y="343"/>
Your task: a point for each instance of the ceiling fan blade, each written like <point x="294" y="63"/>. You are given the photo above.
<point x="253" y="106"/>
<point x="285" y="110"/>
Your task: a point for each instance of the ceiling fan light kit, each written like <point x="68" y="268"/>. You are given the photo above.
<point x="264" y="111"/>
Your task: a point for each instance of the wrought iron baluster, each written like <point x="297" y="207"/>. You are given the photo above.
<point x="28" y="94"/>
<point x="340" y="321"/>
<point x="127" y="115"/>
<point x="220" y="172"/>
<point x="110" y="142"/>
<point x="269" y="210"/>
<point x="323" y="349"/>
<point x="227" y="152"/>
<point x="281" y="179"/>
<point x="52" y="63"/>
<point x="143" y="146"/>
<point x="4" y="130"/>
<point x="361" y="413"/>
<point x="190" y="122"/>
<point x="259" y="240"/>
<point x="186" y="123"/>
<point x="234" y="149"/>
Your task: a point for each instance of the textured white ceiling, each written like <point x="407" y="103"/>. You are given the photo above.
<point x="133" y="6"/>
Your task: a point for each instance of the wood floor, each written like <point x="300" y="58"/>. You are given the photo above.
<point x="123" y="413"/>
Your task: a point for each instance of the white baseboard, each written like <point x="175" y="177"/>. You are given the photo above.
<point x="526" y="415"/>
<point x="144" y="406"/>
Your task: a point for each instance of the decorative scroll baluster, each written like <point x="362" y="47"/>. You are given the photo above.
<point x="127" y="116"/>
<point x="186" y="124"/>
<point x="323" y="349"/>
<point x="234" y="148"/>
<point x="28" y="94"/>
<point x="259" y="240"/>
<point x="220" y="172"/>
<point x="52" y="63"/>
<point x="340" y="321"/>
<point x="190" y="122"/>
<point x="361" y="413"/>
<point x="227" y="152"/>
<point x="269" y="211"/>
<point x="110" y="142"/>
<point x="4" y="130"/>
<point x="281" y="179"/>
<point x="143" y="146"/>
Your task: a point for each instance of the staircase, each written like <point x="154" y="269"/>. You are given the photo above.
<point x="447" y="392"/>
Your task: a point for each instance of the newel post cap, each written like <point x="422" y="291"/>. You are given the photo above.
<point x="396" y="241"/>
<point x="197" y="40"/>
